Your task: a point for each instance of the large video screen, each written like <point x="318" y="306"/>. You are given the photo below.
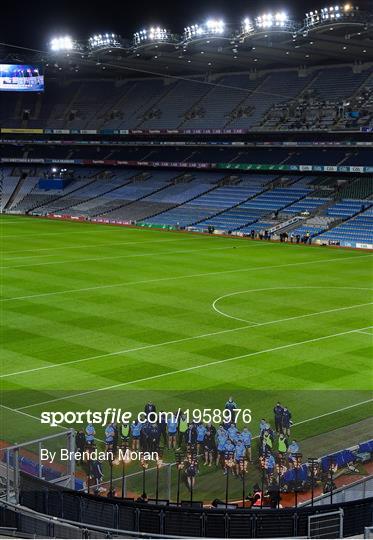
<point x="21" y="78"/>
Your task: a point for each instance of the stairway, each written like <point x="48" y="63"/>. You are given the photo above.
<point x="172" y="207"/>
<point x="63" y="194"/>
<point x="338" y="222"/>
<point x="111" y="190"/>
<point x="106" y="110"/>
<point x="157" y="102"/>
<point x="249" y="93"/>
<point x="195" y="104"/>
<point x="15" y="192"/>
<point x="128" y="203"/>
<point x="316" y="212"/>
<point x="267" y="187"/>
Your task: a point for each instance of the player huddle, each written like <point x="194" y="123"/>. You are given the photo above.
<point x="226" y="445"/>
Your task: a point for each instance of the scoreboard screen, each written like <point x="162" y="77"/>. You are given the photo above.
<point x="21" y="78"/>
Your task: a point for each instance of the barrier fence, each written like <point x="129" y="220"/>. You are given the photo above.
<point x="328" y="525"/>
<point x="187" y="520"/>
<point x="161" y="480"/>
<point x="361" y="489"/>
<point x="27" y="457"/>
<point x="25" y="521"/>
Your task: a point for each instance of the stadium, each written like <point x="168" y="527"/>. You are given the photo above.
<point x="220" y="385"/>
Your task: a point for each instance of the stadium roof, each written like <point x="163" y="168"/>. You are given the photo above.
<point x="158" y="51"/>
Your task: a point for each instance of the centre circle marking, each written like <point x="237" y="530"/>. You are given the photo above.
<point x="253" y="323"/>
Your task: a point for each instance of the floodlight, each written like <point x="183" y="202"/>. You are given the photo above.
<point x="269" y="20"/>
<point x="63" y="43"/>
<point x="158" y="34"/>
<point x="247" y="26"/>
<point x="215" y="26"/>
<point x="330" y="13"/>
<point x="281" y="18"/>
<point x="265" y="21"/>
<point x="103" y="40"/>
<point x="192" y="31"/>
<point x="154" y="33"/>
<point x="212" y="27"/>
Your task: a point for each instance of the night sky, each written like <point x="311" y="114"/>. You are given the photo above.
<point x="33" y="23"/>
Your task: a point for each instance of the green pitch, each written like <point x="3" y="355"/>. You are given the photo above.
<point x="96" y="316"/>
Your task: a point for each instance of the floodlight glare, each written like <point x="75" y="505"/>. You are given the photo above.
<point x="193" y="31"/>
<point x="103" y="40"/>
<point x="212" y="27"/>
<point x="281" y="17"/>
<point x="64" y="43"/>
<point x="261" y="21"/>
<point x="247" y="26"/>
<point x="215" y="26"/>
<point x="269" y="20"/>
<point x="330" y="13"/>
<point x="154" y="33"/>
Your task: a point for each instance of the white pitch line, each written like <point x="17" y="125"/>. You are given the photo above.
<point x="24" y="413"/>
<point x="111" y="257"/>
<point x="187" y="276"/>
<point x="93" y="231"/>
<point x="14" y="221"/>
<point x="366" y="333"/>
<point x="282" y="288"/>
<point x="333" y="412"/>
<point x="36" y="418"/>
<point x="255" y="325"/>
<point x="175" y="341"/>
<point x="95" y="228"/>
<point x="194" y="239"/>
<point x="85" y="246"/>
<point x="192" y="368"/>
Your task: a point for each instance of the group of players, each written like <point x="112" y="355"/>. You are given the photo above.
<point x="224" y="446"/>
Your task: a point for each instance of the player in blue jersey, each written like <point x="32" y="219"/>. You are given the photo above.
<point x="201" y="432"/>
<point x="293" y="448"/>
<point x="263" y="426"/>
<point x="90" y="433"/>
<point x="239" y="454"/>
<point x="229" y="450"/>
<point x="221" y="439"/>
<point x="109" y="436"/>
<point x="246" y="438"/>
<point x="172" y="431"/>
<point x="136" y="428"/>
<point x="269" y="465"/>
<point x="232" y="431"/>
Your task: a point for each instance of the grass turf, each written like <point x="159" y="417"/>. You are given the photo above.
<point x="96" y="316"/>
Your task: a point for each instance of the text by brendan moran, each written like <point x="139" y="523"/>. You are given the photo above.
<point x="64" y="454"/>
